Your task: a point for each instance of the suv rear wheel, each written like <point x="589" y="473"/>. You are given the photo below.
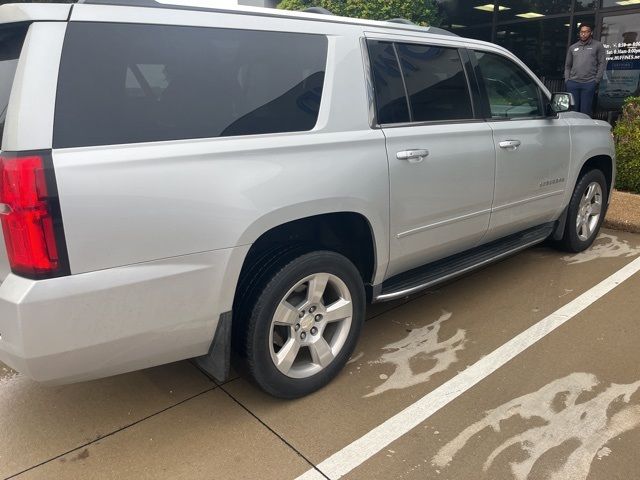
<point x="305" y="323"/>
<point x="587" y="209"/>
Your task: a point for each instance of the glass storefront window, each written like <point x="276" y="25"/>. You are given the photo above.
<point x="479" y="33"/>
<point x="542" y="45"/>
<point x="458" y="14"/>
<point x="619" y="3"/>
<point x="531" y="9"/>
<point x="582" y="5"/>
<point x="621" y="39"/>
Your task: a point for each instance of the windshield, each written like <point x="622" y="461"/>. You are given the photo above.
<point x="11" y="39"/>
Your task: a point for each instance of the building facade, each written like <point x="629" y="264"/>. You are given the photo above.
<point x="540" y="32"/>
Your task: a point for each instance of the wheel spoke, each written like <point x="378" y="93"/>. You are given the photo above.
<point x="321" y="352"/>
<point x="317" y="286"/>
<point x="287" y="355"/>
<point x="596" y="209"/>
<point x="286" y="314"/>
<point x="591" y="192"/>
<point x="338" y="310"/>
<point x="582" y="229"/>
<point x="587" y="228"/>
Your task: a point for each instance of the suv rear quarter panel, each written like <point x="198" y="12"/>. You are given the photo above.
<point x="125" y="204"/>
<point x="29" y="124"/>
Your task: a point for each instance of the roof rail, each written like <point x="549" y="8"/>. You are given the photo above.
<point x="131" y="3"/>
<point x="441" y="31"/>
<point x="320" y="10"/>
<point x="401" y="20"/>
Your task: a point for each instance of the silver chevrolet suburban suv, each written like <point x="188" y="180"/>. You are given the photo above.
<point x="182" y="182"/>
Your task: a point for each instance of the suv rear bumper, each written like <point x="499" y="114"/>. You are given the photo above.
<point x="112" y="321"/>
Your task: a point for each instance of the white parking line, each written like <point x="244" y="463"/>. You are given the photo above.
<point x="358" y="452"/>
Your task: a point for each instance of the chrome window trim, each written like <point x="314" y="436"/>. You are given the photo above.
<point x="431" y="122"/>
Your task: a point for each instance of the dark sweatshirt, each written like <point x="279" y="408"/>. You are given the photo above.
<point x="585" y="62"/>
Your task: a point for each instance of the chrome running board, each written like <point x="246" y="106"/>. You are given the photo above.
<point x="442" y="270"/>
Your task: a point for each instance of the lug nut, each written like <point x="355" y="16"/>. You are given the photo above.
<point x="312" y="309"/>
<point x="301" y="314"/>
<point x="314" y="330"/>
<point x="318" y="317"/>
<point x="303" y="336"/>
<point x="297" y="327"/>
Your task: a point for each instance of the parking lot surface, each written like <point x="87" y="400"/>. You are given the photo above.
<point x="565" y="407"/>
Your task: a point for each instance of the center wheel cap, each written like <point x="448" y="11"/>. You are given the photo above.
<point x="307" y="322"/>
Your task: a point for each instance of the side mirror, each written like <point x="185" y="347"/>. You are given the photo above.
<point x="560" y="102"/>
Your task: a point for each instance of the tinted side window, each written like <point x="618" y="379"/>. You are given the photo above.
<point x="11" y="40"/>
<point x="511" y="92"/>
<point x="436" y="83"/>
<point x="122" y="83"/>
<point x="391" y="100"/>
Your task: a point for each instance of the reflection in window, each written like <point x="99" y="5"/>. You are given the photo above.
<point x="532" y="9"/>
<point x="582" y="5"/>
<point x="11" y="39"/>
<point x="146" y="80"/>
<point x="459" y="14"/>
<point x="436" y="83"/>
<point x="616" y="3"/>
<point x="621" y="39"/>
<point x="182" y="82"/>
<point x="512" y="93"/>
<point x="479" y="33"/>
<point x="391" y="100"/>
<point x="542" y="45"/>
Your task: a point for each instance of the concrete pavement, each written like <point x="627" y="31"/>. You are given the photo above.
<point x="523" y="421"/>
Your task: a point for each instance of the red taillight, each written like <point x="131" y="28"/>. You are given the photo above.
<point x="27" y="218"/>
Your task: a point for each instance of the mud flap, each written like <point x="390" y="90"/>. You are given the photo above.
<point x="217" y="362"/>
<point x="558" y="233"/>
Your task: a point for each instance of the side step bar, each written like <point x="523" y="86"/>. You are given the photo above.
<point x="442" y="270"/>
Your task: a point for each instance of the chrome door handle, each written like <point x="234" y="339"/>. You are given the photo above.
<point x="510" y="144"/>
<point x="414" y="156"/>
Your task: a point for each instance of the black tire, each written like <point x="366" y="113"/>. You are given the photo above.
<point x="259" y="348"/>
<point x="571" y="241"/>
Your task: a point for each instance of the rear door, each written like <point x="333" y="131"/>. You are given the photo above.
<point x="441" y="158"/>
<point x="11" y="39"/>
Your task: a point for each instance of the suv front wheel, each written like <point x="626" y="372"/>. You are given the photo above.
<point x="587" y="209"/>
<point x="305" y="323"/>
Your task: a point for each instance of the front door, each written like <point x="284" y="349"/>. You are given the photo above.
<point x="533" y="150"/>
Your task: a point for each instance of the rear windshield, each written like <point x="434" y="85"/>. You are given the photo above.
<point x="123" y="83"/>
<point x="11" y="40"/>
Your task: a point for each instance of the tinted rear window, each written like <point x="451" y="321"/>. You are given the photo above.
<point x="123" y="84"/>
<point x="391" y="99"/>
<point x="11" y="40"/>
<point x="418" y="83"/>
<point x="436" y="83"/>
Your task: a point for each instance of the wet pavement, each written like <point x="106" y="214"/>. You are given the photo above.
<point x="568" y="407"/>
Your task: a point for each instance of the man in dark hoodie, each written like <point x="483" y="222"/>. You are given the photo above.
<point x="584" y="68"/>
